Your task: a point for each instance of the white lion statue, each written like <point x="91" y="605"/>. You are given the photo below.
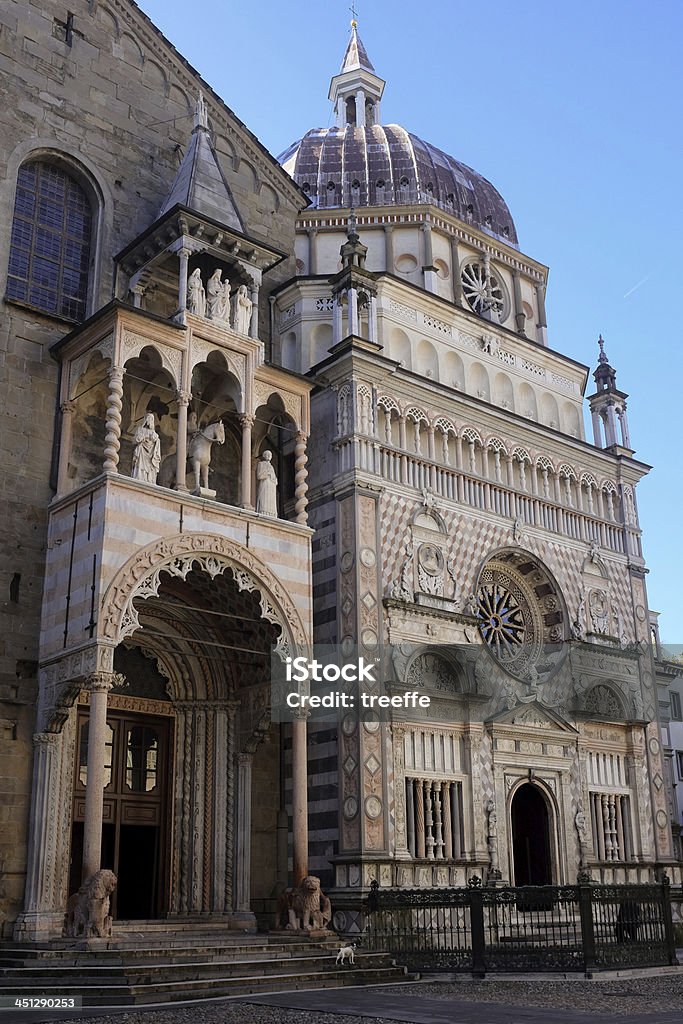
<point x="87" y="911"/>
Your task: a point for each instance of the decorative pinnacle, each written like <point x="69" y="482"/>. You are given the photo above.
<point x="201" y="119"/>
<point x="602" y="358"/>
<point x="351" y="225"/>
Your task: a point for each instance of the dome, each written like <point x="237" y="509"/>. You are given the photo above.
<point x="382" y="165"/>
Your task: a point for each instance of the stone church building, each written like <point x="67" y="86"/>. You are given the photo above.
<point x="176" y="304"/>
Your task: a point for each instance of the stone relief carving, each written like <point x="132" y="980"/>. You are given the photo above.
<point x="403" y="588"/>
<point x="140" y="577"/>
<point x="430" y="564"/>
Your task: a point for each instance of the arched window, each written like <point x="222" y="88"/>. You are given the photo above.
<point x="50" y="246"/>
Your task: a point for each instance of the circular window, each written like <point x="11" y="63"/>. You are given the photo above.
<point x="521" y="615"/>
<point x="485" y="292"/>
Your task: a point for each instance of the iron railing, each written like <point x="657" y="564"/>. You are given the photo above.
<point x="541" y="928"/>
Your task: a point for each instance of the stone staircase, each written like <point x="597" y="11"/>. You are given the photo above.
<point x="145" y="966"/>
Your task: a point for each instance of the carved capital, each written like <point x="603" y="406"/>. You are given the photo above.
<point x="116" y="374"/>
<point x="183" y="397"/>
<point x="300" y="437"/>
<point x="45" y="739"/>
<point x="68" y="407"/>
<point x="101" y="682"/>
<point x="301" y="714"/>
<point x="247" y="420"/>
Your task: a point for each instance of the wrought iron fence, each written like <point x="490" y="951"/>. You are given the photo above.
<point x="542" y="928"/>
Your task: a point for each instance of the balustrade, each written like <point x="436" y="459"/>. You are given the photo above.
<point x="434" y="818"/>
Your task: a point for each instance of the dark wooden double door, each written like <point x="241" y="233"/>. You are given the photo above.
<point x="135" y="813"/>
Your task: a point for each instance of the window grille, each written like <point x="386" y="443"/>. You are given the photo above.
<point x="434" y="818"/>
<point x="612" y="829"/>
<point x="50" y="243"/>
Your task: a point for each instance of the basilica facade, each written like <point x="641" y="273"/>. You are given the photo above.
<point x="255" y="405"/>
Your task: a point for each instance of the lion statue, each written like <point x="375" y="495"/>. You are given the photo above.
<point x="306" y="907"/>
<point x="87" y="911"/>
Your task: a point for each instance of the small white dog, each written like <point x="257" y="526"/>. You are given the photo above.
<point x="346" y="953"/>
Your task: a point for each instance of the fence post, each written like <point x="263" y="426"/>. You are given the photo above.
<point x="478" y="936"/>
<point x="668" y="921"/>
<point x="587" y="932"/>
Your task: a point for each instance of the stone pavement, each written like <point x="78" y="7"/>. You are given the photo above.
<point x="515" y="1000"/>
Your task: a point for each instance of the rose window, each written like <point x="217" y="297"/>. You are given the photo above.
<point x="521" y="615"/>
<point x="501" y="620"/>
<point x="484" y="291"/>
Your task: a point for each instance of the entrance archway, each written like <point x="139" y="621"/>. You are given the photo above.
<point x="531" y="856"/>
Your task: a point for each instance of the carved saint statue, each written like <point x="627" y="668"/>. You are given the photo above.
<point x="147" y="451"/>
<point x="196" y="296"/>
<point x="218" y="297"/>
<point x="243" y="306"/>
<point x="266" y="494"/>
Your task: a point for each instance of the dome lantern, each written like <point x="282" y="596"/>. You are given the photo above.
<point x="357" y="90"/>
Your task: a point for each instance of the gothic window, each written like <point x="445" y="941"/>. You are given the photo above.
<point x="50" y="244"/>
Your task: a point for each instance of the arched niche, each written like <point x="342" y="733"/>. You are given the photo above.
<point x="321" y="340"/>
<point x="527" y="402"/>
<point x="290" y="352"/>
<point x="571" y="422"/>
<point x="217" y="397"/>
<point x="275" y="431"/>
<point x="453" y="371"/>
<point x="427" y="360"/>
<point x="148" y="386"/>
<point x="400" y="348"/>
<point x="550" y="414"/>
<point x="503" y="392"/>
<point x="479" y="382"/>
<point x="89" y="395"/>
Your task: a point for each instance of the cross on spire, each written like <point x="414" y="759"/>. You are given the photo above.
<point x="354" y="18"/>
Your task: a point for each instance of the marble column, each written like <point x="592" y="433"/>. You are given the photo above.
<point x="112" y="440"/>
<point x="312" y="252"/>
<point x="542" y="323"/>
<point x="300" y="478"/>
<point x="520" y="316"/>
<point x="353" y="311"/>
<point x="246" y="422"/>
<point x="68" y="409"/>
<point x="458" y="297"/>
<point x="253" y="326"/>
<point x="372" y="319"/>
<point x="428" y="265"/>
<point x="38" y="892"/>
<point x="299" y="797"/>
<point x="337" y="319"/>
<point x="243" y="852"/>
<point x="183" y="259"/>
<point x="389" y="248"/>
<point x="183" y="400"/>
<point x="98" y="686"/>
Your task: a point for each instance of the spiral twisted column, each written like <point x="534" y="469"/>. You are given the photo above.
<point x="112" y="440"/>
<point x="300" y="478"/>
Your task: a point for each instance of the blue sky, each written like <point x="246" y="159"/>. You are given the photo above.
<point x="571" y="110"/>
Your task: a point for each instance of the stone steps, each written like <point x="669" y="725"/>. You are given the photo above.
<point x="126" y="977"/>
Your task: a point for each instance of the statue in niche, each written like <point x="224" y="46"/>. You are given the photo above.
<point x="266" y="493"/>
<point x="218" y="297"/>
<point x="196" y="296"/>
<point x="494" y="872"/>
<point x="243" y="308"/>
<point x="147" y="451"/>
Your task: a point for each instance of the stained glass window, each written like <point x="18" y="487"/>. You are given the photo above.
<point x="50" y="245"/>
